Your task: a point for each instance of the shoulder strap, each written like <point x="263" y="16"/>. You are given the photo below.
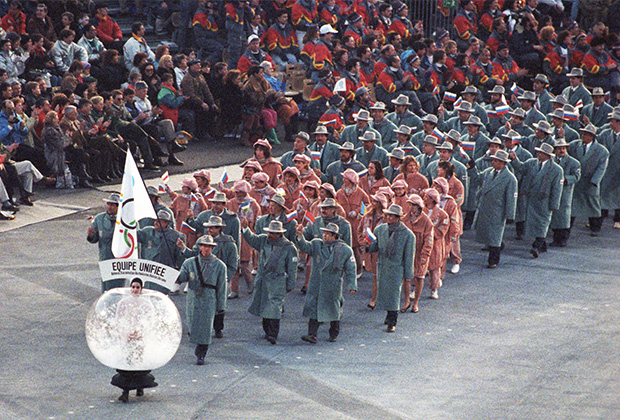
<point x="200" y="276"/>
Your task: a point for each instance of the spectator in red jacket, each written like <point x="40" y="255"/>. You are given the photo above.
<point x="108" y="30"/>
<point x="15" y="19"/>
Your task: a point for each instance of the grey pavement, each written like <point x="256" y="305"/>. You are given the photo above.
<point x="533" y="339"/>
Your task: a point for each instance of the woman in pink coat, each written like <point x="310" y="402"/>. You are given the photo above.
<point x="441" y="224"/>
<point x="375" y="179"/>
<point x="449" y="205"/>
<point x="409" y="173"/>
<point x="186" y="205"/>
<point x="371" y="219"/>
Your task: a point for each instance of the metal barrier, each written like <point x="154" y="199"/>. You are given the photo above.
<point x="434" y="17"/>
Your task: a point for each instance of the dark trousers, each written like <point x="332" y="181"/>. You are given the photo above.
<point x="494" y="254"/>
<point x="540" y="244"/>
<point x="201" y="350"/>
<point x="137" y="139"/>
<point x="271" y="327"/>
<point x="560" y="236"/>
<point x="218" y="322"/>
<point x="392" y="318"/>
<point x="35" y="156"/>
<point x="11" y="181"/>
<point x="595" y="223"/>
<point x="520" y="229"/>
<point x="313" y="328"/>
<point x="469" y="219"/>
<point x="605" y="214"/>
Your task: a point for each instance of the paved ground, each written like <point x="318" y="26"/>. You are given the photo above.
<point x="534" y="339"/>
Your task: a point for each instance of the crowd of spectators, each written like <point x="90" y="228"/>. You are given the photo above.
<point x="76" y="93"/>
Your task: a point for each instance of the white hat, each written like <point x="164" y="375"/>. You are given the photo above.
<point x="327" y="29"/>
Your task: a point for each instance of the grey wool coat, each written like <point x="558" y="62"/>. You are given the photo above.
<point x="572" y="173"/>
<point x="587" y="192"/>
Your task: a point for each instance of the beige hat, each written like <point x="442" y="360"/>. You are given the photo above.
<point x="278" y="199"/>
<point x="214" y="221"/>
<point x="164" y="215"/>
<point x="321" y="129"/>
<point x="430" y="118"/>
<point x="560" y="99"/>
<point x="446" y="146"/>
<point x="561" y="142"/>
<point x="275" y="226"/>
<point x="545" y="148"/>
<point x="597" y="91"/>
<point x="590" y="128"/>
<point x="206" y="240"/>
<point x="368" y="136"/>
<point x="465" y="107"/>
<point x="403" y="129"/>
<point x="519" y="112"/>
<point x="527" y="96"/>
<point x="542" y="79"/>
<point x="379" y="106"/>
<point x="114" y="199"/>
<point x="454" y="135"/>
<point x="498" y="89"/>
<point x="397" y="153"/>
<point x="473" y="120"/>
<point x="394" y="209"/>
<point x="575" y="72"/>
<point x="543" y="126"/>
<point x="219" y="197"/>
<point x="401" y="100"/>
<point x="362" y="115"/>
<point x="349" y="146"/>
<point x="431" y="140"/>
<point x="495" y="140"/>
<point x="501" y="155"/>
<point x="328" y="202"/>
<point x="331" y="227"/>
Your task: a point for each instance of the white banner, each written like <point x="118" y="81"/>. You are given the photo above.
<point x="147" y="270"/>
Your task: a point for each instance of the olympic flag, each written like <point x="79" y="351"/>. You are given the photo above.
<point x="134" y="205"/>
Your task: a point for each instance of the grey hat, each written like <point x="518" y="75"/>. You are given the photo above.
<point x="544" y="126"/>
<point x="430" y="118"/>
<point x="379" y="106"/>
<point x="206" y="240"/>
<point x="278" y="199"/>
<point x="560" y="99"/>
<point x="362" y="115"/>
<point x="511" y="135"/>
<point x="331" y="227"/>
<point x="152" y="191"/>
<point x="397" y="153"/>
<point x="321" y="129"/>
<point x="214" y="221"/>
<point x="590" y="128"/>
<point x="164" y="215"/>
<point x="597" y="91"/>
<point x="328" y="202"/>
<point x="545" y="148"/>
<point x="401" y="100"/>
<point x="519" y="112"/>
<point x="501" y="155"/>
<point x="473" y="120"/>
<point x="349" y="146"/>
<point x="361" y="91"/>
<point x="219" y="197"/>
<point x="141" y="85"/>
<point x="528" y="95"/>
<point x="471" y="89"/>
<point x="542" y="79"/>
<point x="431" y="140"/>
<point x="495" y="140"/>
<point x="114" y="198"/>
<point x="303" y="135"/>
<point x="446" y="146"/>
<point x="561" y="142"/>
<point x="275" y="226"/>
<point x="558" y="113"/>
<point x="498" y="89"/>
<point x="368" y="136"/>
<point x="575" y="72"/>
<point x="465" y="107"/>
<point x="403" y="129"/>
<point x="454" y="135"/>
<point x="394" y="209"/>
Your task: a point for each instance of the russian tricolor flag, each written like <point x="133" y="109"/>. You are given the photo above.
<point x="210" y="193"/>
<point x="316" y="155"/>
<point x="193" y="197"/>
<point x="571" y="116"/>
<point x="468" y="146"/>
<point x="437" y="134"/>
<point x="161" y="189"/>
<point x="369" y="235"/>
<point x="502" y="110"/>
<point x="224" y="177"/>
<point x="187" y="228"/>
<point x="449" y="96"/>
<point x="309" y="217"/>
<point x="579" y="104"/>
<point x="436" y="90"/>
<point x="291" y="216"/>
<point x="514" y="89"/>
<point x="458" y="102"/>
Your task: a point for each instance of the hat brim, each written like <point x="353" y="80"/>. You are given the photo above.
<point x="392" y="213"/>
<point x="328" y="230"/>
<point x="107" y="200"/>
<point x="538" y="149"/>
<point x="266" y="229"/>
<point x="395" y="102"/>
<point x="211" y="244"/>
<point x="215" y="200"/>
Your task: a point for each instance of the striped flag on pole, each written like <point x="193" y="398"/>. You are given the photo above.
<point x="187" y="228"/>
<point x="502" y="110"/>
<point x="579" y="104"/>
<point x="165" y="177"/>
<point x="193" y="197"/>
<point x="369" y="235"/>
<point x="161" y="189"/>
<point x="316" y="155"/>
<point x="449" y="96"/>
<point x="210" y="193"/>
<point x="468" y="146"/>
<point x="309" y="217"/>
<point x="437" y="134"/>
<point x="291" y="216"/>
<point x="224" y="177"/>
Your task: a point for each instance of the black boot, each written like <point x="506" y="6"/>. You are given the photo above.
<point x="172" y="160"/>
<point x="124" y="396"/>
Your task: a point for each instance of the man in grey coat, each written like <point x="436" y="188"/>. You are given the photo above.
<point x="593" y="158"/>
<point x="560" y="221"/>
<point x="497" y="203"/>
<point x="610" y="189"/>
<point x="333" y="264"/>
<point x="542" y="185"/>
<point x="276" y="274"/>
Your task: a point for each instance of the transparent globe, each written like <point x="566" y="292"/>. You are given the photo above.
<point x="130" y="332"/>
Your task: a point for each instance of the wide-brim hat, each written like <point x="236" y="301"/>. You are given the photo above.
<point x="214" y="221"/>
<point x="275" y="226"/>
<point x="219" y="197"/>
<point x="430" y="118"/>
<point x="545" y="148"/>
<point x="395" y="210"/>
<point x="561" y="142"/>
<point x="465" y="107"/>
<point x="559" y="99"/>
<point x="498" y="89"/>
<point x="543" y="126"/>
<point x="528" y="95"/>
<point x="541" y="78"/>
<point x="558" y="113"/>
<point x="332" y="228"/>
<point x="378" y="106"/>
<point x="431" y="140"/>
<point x="206" y="240"/>
<point x="453" y="135"/>
<point x="362" y="115"/>
<point x="303" y="135"/>
<point x="113" y="198"/>
<point x="598" y="91"/>
<point x="575" y="72"/>
<point x="501" y="155"/>
<point x="519" y="112"/>
<point x="403" y="129"/>
<point x="397" y="153"/>
<point x="473" y="120"/>
<point x="164" y="215"/>
<point x="152" y="191"/>
<point x="401" y="100"/>
<point x="321" y="129"/>
<point x="470" y="89"/>
<point x="348" y="146"/>
<point x="328" y="202"/>
<point x="278" y="199"/>
<point x="495" y="140"/>
<point x="445" y="146"/>
<point x="327" y="29"/>
<point x="590" y="128"/>
<point x="368" y="136"/>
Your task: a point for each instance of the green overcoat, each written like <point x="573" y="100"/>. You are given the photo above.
<point x="572" y="173"/>
<point x="587" y="192"/>
<point x="610" y="184"/>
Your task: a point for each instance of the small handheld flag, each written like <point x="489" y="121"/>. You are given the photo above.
<point x="340" y="86"/>
<point x="458" y="102"/>
<point x="468" y="146"/>
<point x="449" y="96"/>
<point x="210" y="193"/>
<point x="165" y="177"/>
<point x="436" y="90"/>
<point x="224" y="177"/>
<point x="301" y="194"/>
<point x="571" y="116"/>
<point x="363" y="209"/>
<point x="316" y="155"/>
<point x="514" y="89"/>
<point x="437" y="134"/>
<point x="370" y="236"/>
<point x="187" y="228"/>
<point x="502" y="110"/>
<point x="161" y="189"/>
<point x="193" y="198"/>
<point x="291" y="216"/>
<point x="244" y="206"/>
<point x="309" y="217"/>
<point x="579" y="104"/>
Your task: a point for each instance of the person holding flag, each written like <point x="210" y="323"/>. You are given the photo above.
<point x="277" y="211"/>
<point x="218" y="208"/>
<point x="395" y="245"/>
<point x="157" y="205"/>
<point x="372" y="218"/>
<point x="203" y="179"/>
<point x="187" y="205"/>
<point x="335" y="265"/>
<point x="429" y="153"/>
